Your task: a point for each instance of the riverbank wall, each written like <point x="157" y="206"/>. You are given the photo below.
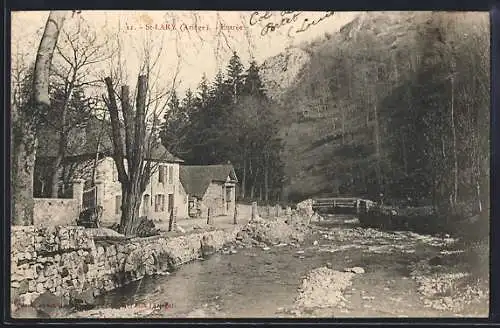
<point x="67" y="261"/>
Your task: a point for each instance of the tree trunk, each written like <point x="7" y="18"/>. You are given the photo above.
<point x="478" y="195"/>
<point x="343" y="124"/>
<point x="56" y="178"/>
<point x="23" y="164"/>
<point x="243" y="179"/>
<point x="377" y="147"/>
<point x="131" y="203"/>
<point x="405" y="157"/>
<point x="96" y="160"/>
<point x="24" y="124"/>
<point x="455" y="159"/>
<point x="63" y="136"/>
<point x="266" y="179"/>
<point x="254" y="184"/>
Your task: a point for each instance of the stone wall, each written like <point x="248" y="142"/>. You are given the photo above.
<point x="65" y="260"/>
<point x="49" y="212"/>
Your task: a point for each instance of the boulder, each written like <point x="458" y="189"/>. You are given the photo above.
<point x="207" y="246"/>
<point x="316" y="217"/>
<point x="50" y="304"/>
<point x="179" y="229"/>
<point x="83" y="300"/>
<point x="305" y="208"/>
<point x="357" y="270"/>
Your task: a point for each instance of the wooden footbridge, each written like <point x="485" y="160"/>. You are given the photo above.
<point x="344" y="205"/>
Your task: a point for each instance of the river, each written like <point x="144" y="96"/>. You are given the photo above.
<point x="263" y="283"/>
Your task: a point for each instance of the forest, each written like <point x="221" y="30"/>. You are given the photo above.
<point x="229" y="120"/>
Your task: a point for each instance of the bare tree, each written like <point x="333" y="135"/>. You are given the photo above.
<point x="135" y="133"/>
<point x="25" y="120"/>
<point x="79" y="51"/>
<point x="135" y="178"/>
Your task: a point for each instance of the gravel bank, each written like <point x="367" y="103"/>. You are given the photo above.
<point x="448" y="288"/>
<point x="323" y="288"/>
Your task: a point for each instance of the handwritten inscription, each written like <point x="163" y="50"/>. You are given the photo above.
<point x="294" y="22"/>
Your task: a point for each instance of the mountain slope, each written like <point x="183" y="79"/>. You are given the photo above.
<point x="343" y="98"/>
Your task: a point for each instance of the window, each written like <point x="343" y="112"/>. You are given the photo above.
<point x="145" y="205"/>
<point x="170" y="174"/>
<point x="159" y="203"/>
<point x="118" y="204"/>
<point x="115" y="172"/>
<point x="161" y="174"/>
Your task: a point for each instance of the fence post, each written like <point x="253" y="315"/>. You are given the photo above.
<point x="174" y="213"/>
<point x="209" y="216"/>
<point x="278" y="207"/>
<point x="254" y="211"/>
<point x="235" y="218"/>
<point x="268" y="211"/>
<point x="78" y="193"/>
<point x="171" y="221"/>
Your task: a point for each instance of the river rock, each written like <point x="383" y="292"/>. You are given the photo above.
<point x="207" y="246"/>
<point x="83" y="300"/>
<point x="305" y="208"/>
<point x="180" y="229"/>
<point x="357" y="270"/>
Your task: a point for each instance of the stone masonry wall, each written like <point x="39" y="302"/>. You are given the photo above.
<point x="63" y="260"/>
<point x="55" y="211"/>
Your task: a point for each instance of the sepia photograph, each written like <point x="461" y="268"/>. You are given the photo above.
<point x="249" y="164"/>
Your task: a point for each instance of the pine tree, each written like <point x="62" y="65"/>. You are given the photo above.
<point x="204" y="91"/>
<point x="252" y="83"/>
<point x="172" y="132"/>
<point x="235" y="76"/>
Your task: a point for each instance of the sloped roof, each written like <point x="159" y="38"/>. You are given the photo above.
<point x="83" y="143"/>
<point x="196" y="178"/>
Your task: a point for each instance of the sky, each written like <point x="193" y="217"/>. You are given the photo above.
<point x="182" y="52"/>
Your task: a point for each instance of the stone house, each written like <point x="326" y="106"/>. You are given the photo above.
<point x="91" y="160"/>
<point x="209" y="187"/>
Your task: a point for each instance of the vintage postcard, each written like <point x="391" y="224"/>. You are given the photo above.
<point x="257" y="164"/>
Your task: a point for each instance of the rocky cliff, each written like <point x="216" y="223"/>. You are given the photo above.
<point x="342" y="95"/>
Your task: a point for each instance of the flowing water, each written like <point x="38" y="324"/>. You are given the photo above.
<point x="263" y="283"/>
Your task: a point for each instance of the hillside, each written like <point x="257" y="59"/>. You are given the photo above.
<point x="350" y="103"/>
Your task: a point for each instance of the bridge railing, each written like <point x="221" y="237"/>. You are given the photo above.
<point x="349" y="204"/>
